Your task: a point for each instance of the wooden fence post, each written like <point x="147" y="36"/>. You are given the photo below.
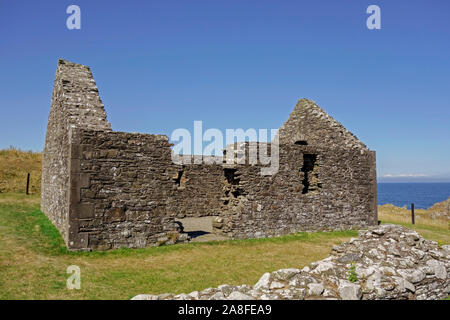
<point x="412" y="213"/>
<point x="28" y="183"/>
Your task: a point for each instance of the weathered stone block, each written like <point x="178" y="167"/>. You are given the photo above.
<point x="115" y="215"/>
<point x="85" y="210"/>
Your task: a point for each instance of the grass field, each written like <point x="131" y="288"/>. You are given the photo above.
<point x="33" y="260"/>
<point x="437" y="229"/>
<point x="14" y="166"/>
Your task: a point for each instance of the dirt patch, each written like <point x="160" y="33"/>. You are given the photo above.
<point x="200" y="229"/>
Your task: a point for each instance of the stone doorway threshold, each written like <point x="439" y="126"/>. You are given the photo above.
<point x="200" y="229"/>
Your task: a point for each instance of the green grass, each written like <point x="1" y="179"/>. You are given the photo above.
<point x="33" y="260"/>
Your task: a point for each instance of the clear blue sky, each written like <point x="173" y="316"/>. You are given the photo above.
<point x="160" y="65"/>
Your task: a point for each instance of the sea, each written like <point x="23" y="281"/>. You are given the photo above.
<point x="423" y="195"/>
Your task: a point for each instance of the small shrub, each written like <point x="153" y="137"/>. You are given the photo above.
<point x="352" y="276"/>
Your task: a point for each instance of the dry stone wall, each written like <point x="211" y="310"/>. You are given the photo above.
<point x="104" y="189"/>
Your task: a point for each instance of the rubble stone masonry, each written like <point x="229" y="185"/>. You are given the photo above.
<point x="105" y="189"/>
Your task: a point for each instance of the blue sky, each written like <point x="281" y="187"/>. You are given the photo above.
<point x="160" y="65"/>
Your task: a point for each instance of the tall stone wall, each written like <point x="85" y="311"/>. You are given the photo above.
<point x="75" y="102"/>
<point x="104" y="189"/>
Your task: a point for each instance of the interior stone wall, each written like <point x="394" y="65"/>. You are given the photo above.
<point x="197" y="190"/>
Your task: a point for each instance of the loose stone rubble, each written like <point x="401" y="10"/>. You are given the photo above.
<point x="384" y="262"/>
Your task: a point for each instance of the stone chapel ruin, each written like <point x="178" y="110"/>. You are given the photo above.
<point x="105" y="189"/>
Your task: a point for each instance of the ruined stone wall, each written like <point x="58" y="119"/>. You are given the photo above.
<point x="197" y="190"/>
<point x="308" y="123"/>
<point x="336" y="194"/>
<point x="121" y="184"/>
<point x="75" y="101"/>
<point x="126" y="191"/>
<point x="105" y="189"/>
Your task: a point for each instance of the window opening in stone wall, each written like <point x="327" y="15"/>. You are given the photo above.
<point x="232" y="189"/>
<point x="310" y="170"/>
<point x="180" y="180"/>
<point x="301" y="142"/>
<point x="230" y="175"/>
